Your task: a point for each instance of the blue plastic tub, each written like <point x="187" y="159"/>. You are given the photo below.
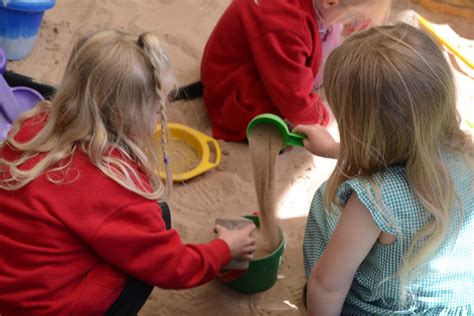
<point x="20" y="21"/>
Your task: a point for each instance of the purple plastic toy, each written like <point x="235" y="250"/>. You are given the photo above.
<point x="13" y="101"/>
<point x="3" y="61"/>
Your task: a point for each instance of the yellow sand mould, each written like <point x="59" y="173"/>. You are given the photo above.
<point x="190" y="152"/>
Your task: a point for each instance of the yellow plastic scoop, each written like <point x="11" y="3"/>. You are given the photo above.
<point x="448" y="42"/>
<point x="190" y="152"/>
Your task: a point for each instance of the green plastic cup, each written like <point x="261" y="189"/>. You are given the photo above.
<point x="262" y="272"/>
<point x="289" y="139"/>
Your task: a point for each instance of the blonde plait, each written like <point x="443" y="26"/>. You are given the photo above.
<point x="114" y="85"/>
<point x="159" y="61"/>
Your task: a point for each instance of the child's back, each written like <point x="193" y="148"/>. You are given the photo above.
<point x="391" y="231"/>
<point x="61" y="238"/>
<point x="80" y="222"/>
<point x="266" y="56"/>
<point x="262" y="58"/>
<point x="446" y="286"/>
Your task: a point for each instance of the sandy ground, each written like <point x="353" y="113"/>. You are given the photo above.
<point x="228" y="190"/>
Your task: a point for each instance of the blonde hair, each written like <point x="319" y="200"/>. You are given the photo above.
<point x="393" y="95"/>
<point x="113" y="86"/>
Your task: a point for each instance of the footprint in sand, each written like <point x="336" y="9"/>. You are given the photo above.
<point x="106" y="17"/>
<point x="209" y="4"/>
<point x="83" y="9"/>
<point x="185" y="47"/>
<point x="196" y="297"/>
<point x="210" y="197"/>
<point x="132" y="25"/>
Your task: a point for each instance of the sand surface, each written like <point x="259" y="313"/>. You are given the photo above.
<point x="228" y="190"/>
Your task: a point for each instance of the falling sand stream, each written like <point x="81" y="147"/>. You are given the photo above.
<point x="265" y="143"/>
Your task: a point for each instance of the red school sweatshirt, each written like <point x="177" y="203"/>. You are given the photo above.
<point x="262" y="58"/>
<point x="68" y="248"/>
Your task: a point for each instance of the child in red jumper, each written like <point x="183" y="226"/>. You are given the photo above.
<point x="264" y="56"/>
<point x="81" y="232"/>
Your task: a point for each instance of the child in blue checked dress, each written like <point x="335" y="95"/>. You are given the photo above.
<point x="392" y="230"/>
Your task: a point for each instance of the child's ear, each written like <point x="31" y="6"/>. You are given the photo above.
<point x="329" y="3"/>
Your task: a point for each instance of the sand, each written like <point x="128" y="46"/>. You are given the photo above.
<point x="228" y="190"/>
<point x="265" y="142"/>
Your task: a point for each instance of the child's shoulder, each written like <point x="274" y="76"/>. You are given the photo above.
<point x="388" y="197"/>
<point x="391" y="180"/>
<point x="31" y="126"/>
<point x="458" y="166"/>
<point x="277" y="15"/>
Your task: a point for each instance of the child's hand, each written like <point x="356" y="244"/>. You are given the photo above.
<point x="242" y="245"/>
<point x="318" y="141"/>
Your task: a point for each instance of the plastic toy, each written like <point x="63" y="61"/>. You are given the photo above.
<point x="189" y="151"/>
<point x="13" y="101"/>
<point x="289" y="139"/>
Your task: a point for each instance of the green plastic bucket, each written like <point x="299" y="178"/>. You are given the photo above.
<point x="262" y="272"/>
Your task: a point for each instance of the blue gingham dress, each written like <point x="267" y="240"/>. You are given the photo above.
<point x="446" y="285"/>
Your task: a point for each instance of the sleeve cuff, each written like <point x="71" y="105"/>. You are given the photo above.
<point x="222" y="251"/>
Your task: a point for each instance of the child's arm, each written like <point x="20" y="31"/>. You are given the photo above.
<point x="318" y="141"/>
<point x="332" y="275"/>
<point x="134" y="239"/>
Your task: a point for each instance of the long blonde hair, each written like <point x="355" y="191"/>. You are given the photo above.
<point x="393" y="95"/>
<point x="113" y="86"/>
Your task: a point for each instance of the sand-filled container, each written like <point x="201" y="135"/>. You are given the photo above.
<point x="261" y="273"/>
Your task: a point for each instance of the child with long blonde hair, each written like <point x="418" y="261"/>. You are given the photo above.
<point x="267" y="56"/>
<point x="81" y="230"/>
<point x="390" y="232"/>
